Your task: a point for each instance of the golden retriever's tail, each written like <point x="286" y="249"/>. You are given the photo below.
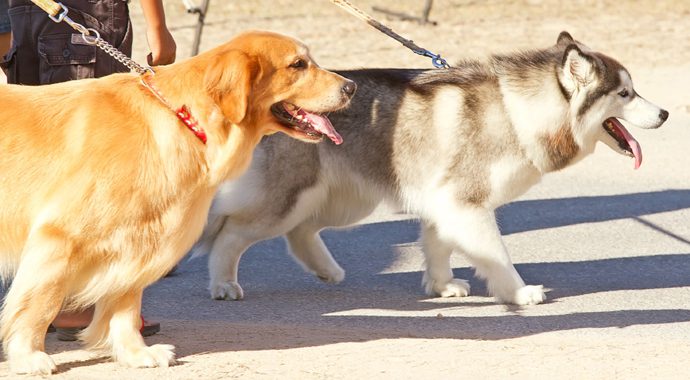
<point x="213" y="226"/>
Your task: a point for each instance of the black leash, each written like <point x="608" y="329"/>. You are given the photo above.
<point x="436" y="59"/>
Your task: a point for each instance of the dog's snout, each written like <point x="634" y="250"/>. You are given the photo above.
<point x="349" y="88"/>
<point x="663" y="115"/>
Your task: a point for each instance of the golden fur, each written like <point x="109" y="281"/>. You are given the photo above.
<point x="103" y="189"/>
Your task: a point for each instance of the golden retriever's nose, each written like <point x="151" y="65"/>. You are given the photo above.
<point x="349" y="88"/>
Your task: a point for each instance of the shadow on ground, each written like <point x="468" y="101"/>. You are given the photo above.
<point x="280" y="294"/>
<point x="287" y="308"/>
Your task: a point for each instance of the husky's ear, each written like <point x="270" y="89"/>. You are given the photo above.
<point x="229" y="80"/>
<point x="578" y="66"/>
<point x="564" y="39"/>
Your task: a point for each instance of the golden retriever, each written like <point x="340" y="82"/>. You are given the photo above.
<point x="103" y="188"/>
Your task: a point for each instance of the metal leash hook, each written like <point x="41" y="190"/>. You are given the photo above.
<point x="92" y="37"/>
<point x="61" y="16"/>
<point x="89" y="39"/>
<point x="436" y="59"/>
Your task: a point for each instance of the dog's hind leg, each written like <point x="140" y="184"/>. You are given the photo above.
<point x="119" y="319"/>
<point x="34" y="299"/>
<point x="223" y="264"/>
<point x="308" y="249"/>
<point x="438" y="277"/>
<point x="346" y="204"/>
<point x="474" y="231"/>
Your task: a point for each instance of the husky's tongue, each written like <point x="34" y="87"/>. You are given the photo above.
<point x="620" y="130"/>
<point x="322" y="125"/>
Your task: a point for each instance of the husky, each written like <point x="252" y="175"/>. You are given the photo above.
<point x="449" y="145"/>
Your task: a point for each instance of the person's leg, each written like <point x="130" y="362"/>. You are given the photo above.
<point x="68" y="324"/>
<point x="73" y="319"/>
<point x="5" y="42"/>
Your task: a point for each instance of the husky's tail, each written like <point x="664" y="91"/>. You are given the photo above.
<point x="213" y="226"/>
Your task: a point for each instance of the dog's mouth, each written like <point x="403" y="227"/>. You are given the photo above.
<point x="310" y="125"/>
<point x="626" y="142"/>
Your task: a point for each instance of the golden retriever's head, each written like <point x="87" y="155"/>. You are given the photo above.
<point x="270" y="81"/>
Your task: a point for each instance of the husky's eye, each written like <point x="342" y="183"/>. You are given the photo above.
<point x="624" y="93"/>
<point x="299" y="64"/>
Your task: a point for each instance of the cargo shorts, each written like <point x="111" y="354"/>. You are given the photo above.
<point x="45" y="52"/>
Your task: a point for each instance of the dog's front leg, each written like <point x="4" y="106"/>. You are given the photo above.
<point x="119" y="319"/>
<point x="34" y="299"/>
<point x="223" y="264"/>
<point x="438" y="277"/>
<point x="473" y="231"/>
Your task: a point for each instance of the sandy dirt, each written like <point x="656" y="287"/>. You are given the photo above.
<point x="613" y="244"/>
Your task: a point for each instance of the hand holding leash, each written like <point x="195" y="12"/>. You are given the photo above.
<point x="163" y="47"/>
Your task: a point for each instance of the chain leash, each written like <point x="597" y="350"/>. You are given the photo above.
<point x="92" y="37"/>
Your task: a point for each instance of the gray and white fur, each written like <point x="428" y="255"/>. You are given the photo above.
<point x="449" y="145"/>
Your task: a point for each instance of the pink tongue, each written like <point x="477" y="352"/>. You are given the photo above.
<point x="634" y="145"/>
<point x="323" y="125"/>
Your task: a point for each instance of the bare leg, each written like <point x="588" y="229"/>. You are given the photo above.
<point x="74" y="319"/>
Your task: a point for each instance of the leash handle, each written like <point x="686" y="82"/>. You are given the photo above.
<point x="49" y="6"/>
<point x="436" y="59"/>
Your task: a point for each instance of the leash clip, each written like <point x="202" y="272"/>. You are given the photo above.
<point x="436" y="59"/>
<point x="61" y="16"/>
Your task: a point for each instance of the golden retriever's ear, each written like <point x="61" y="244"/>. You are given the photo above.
<point x="229" y="82"/>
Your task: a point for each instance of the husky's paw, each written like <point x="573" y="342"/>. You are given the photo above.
<point x="158" y="355"/>
<point x="454" y="288"/>
<point x="528" y="295"/>
<point x="332" y="275"/>
<point x="34" y="363"/>
<point x="229" y="290"/>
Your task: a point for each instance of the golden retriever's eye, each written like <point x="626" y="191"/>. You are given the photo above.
<point x="299" y="64"/>
<point x="623" y="93"/>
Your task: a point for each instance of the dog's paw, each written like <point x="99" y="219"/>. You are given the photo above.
<point x="158" y="355"/>
<point x="34" y="363"/>
<point x="333" y="275"/>
<point x="529" y="295"/>
<point x="229" y="290"/>
<point x="454" y="288"/>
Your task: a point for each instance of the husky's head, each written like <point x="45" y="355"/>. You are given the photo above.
<point x="600" y="91"/>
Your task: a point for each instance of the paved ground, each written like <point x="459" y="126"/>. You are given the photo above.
<point x="612" y="243"/>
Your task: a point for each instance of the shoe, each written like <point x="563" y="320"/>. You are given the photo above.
<point x="69" y="334"/>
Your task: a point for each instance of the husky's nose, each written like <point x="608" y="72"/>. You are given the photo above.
<point x="663" y="115"/>
<point x="349" y="88"/>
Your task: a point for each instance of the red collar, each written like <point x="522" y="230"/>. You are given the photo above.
<point x="182" y="112"/>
